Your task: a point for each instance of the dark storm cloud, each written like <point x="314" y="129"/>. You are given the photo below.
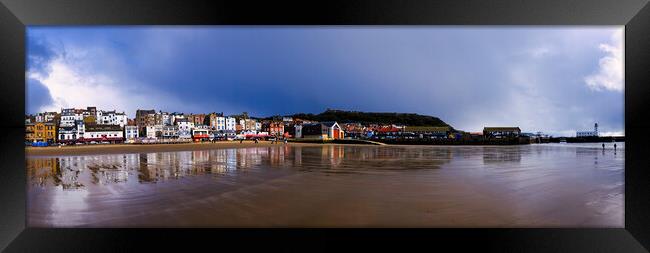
<point x="39" y="55"/>
<point x="38" y="95"/>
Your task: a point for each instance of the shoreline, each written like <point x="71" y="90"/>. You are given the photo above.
<point x="153" y="148"/>
<point x="146" y="148"/>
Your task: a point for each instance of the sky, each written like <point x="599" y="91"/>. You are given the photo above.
<point x="556" y="79"/>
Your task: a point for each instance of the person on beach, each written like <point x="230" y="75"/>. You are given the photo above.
<point x="603" y="146"/>
<point x="614" y="146"/>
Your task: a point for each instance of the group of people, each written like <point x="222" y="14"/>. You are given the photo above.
<point x="276" y="140"/>
<point x="604" y="146"/>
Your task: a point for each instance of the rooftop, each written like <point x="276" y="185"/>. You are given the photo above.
<point x="501" y="129"/>
<point x="426" y="129"/>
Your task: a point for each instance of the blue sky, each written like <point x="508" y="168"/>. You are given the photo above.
<point x="551" y="79"/>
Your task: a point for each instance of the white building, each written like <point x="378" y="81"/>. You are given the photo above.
<point x="69" y="116"/>
<point x="111" y="118"/>
<point x="45" y="116"/>
<point x="67" y="133"/>
<point x="101" y="133"/>
<point x="588" y="133"/>
<point x="131" y="132"/>
<point x="81" y="128"/>
<point x="170" y="132"/>
<point x="185" y="127"/>
<point x="231" y="124"/>
<point x="220" y="123"/>
<point x="166" y="119"/>
<point x="154" y="131"/>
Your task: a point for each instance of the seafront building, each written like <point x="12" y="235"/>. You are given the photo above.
<point x="104" y="134"/>
<point x="321" y="131"/>
<point x="40" y="132"/>
<point x="501" y="132"/>
<point x="93" y="125"/>
<point x="593" y="133"/>
<point x="131" y="133"/>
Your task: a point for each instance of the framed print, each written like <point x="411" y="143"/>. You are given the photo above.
<point x="506" y="126"/>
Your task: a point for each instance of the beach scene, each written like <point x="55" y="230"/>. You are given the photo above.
<point x="238" y="126"/>
<point x="537" y="185"/>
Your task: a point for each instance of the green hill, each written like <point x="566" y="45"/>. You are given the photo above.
<point x="410" y="119"/>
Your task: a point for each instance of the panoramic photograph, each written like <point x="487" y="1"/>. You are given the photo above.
<point x="325" y="126"/>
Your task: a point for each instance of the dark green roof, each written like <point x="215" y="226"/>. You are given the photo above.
<point x="501" y="129"/>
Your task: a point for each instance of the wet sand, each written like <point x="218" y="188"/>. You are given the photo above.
<point x="147" y="148"/>
<point x="332" y="186"/>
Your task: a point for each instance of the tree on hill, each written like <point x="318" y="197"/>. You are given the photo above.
<point x="409" y="119"/>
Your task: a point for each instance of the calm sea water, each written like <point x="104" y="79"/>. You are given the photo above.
<point x="540" y="185"/>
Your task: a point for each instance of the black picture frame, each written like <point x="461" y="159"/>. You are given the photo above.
<point x="15" y="15"/>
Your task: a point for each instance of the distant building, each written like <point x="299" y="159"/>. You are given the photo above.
<point x="387" y="131"/>
<point x="185" y="127"/>
<point x="131" y="133"/>
<point x="231" y="124"/>
<point x="90" y="111"/>
<point x="428" y="131"/>
<point x="69" y="116"/>
<point x="249" y="124"/>
<point x="101" y="133"/>
<point x="215" y="120"/>
<point x="67" y="134"/>
<point x="501" y="132"/>
<point x="45" y="117"/>
<point x="197" y="119"/>
<point x="588" y="133"/>
<point x="176" y="116"/>
<point x="112" y="118"/>
<point x="273" y="128"/>
<point x="201" y="133"/>
<point x="144" y="118"/>
<point x="163" y="118"/>
<point x="40" y="132"/>
<point x="321" y="130"/>
<point x="154" y="132"/>
<point x="354" y="130"/>
<point x="170" y="132"/>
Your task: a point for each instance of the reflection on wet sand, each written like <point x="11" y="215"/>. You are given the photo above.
<point x="331" y="186"/>
<point x="501" y="154"/>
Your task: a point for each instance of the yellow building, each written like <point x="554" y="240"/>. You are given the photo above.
<point x="29" y="132"/>
<point x="40" y="131"/>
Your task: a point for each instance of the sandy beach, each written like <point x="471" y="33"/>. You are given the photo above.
<point x="323" y="185"/>
<point x="148" y="148"/>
